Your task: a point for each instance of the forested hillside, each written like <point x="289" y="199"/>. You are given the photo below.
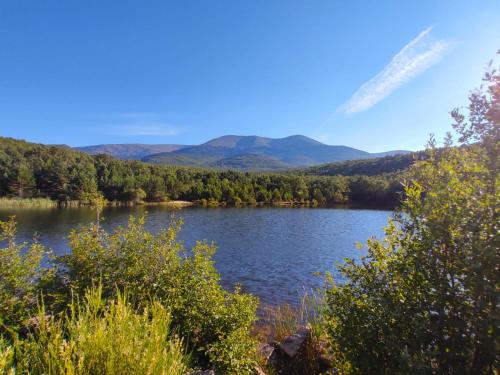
<point x="34" y="170"/>
<point x="131" y="151"/>
<point x="367" y="167"/>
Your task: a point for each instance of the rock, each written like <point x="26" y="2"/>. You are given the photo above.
<point x="265" y="351"/>
<point x="203" y="372"/>
<point x="294" y="343"/>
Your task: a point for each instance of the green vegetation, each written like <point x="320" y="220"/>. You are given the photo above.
<point x="284" y="321"/>
<point x="425" y="299"/>
<point x="30" y="170"/>
<point x="365" y="167"/>
<point x="26" y="202"/>
<point x="21" y="277"/>
<point x="248" y="162"/>
<point x="99" y="337"/>
<point x="151" y="291"/>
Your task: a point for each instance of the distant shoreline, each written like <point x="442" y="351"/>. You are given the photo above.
<point x="26" y="203"/>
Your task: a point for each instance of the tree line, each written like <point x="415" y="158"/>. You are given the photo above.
<point x="366" y="167"/>
<point x="62" y="174"/>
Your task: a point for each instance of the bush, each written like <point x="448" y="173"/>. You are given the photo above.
<point x="20" y="277"/>
<point x="149" y="266"/>
<point x="425" y="299"/>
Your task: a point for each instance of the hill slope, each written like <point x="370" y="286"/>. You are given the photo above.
<point x="132" y="151"/>
<point x="366" y="167"/>
<point x="247" y="162"/>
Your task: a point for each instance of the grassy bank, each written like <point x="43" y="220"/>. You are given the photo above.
<point x="48" y="203"/>
<point x="27" y="203"/>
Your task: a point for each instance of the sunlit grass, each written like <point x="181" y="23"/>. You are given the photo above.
<point x="285" y="320"/>
<point x="27" y="203"/>
<point x="99" y="337"/>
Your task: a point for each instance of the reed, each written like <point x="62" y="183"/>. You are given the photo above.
<point x="27" y="203"/>
<point x="286" y="320"/>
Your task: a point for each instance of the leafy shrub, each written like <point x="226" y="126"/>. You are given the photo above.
<point x="20" y="274"/>
<point x="214" y="323"/>
<point x="425" y="299"/>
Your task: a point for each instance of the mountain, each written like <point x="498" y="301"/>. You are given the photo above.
<point x="132" y="151"/>
<point x="240" y="152"/>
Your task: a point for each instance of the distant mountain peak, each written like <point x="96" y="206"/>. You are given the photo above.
<point x="232" y="141"/>
<point x="301" y="137"/>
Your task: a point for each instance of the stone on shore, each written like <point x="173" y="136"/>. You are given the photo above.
<point x="294" y="343"/>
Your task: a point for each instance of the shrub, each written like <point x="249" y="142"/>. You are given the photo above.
<point x="20" y="275"/>
<point x="149" y="266"/>
<point x="425" y="299"/>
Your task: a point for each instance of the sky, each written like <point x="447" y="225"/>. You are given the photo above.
<point x="374" y="75"/>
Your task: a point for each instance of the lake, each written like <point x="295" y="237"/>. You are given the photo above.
<point x="272" y="252"/>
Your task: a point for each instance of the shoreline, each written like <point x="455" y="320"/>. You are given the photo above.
<point x="43" y="203"/>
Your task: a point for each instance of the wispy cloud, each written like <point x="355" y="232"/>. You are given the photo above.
<point x="146" y="129"/>
<point x="137" y="124"/>
<point x="136" y="115"/>
<point x="415" y="58"/>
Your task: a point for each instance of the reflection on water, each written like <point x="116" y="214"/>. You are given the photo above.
<point x="271" y="252"/>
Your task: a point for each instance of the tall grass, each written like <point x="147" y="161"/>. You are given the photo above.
<point x="286" y="320"/>
<point x="99" y="337"/>
<point x="27" y="203"/>
<point x="6" y="357"/>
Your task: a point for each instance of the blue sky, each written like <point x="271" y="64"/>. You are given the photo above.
<point x="375" y="75"/>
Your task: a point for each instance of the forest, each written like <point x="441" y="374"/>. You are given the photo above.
<point x="29" y="170"/>
<point x="366" y="167"/>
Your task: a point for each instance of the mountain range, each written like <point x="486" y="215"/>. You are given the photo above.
<point x="239" y="152"/>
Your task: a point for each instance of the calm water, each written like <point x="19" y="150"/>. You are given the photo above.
<point x="272" y="252"/>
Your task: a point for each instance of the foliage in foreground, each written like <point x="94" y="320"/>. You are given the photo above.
<point x="425" y="299"/>
<point x="280" y="322"/>
<point x="21" y="276"/>
<point x="213" y="324"/>
<point x="99" y="337"/>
